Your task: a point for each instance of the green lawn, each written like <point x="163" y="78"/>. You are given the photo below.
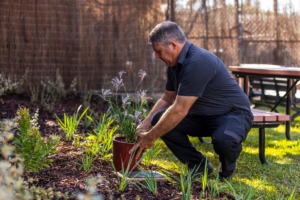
<point x="277" y="180"/>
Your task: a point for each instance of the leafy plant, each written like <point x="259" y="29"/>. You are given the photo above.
<point x="34" y="93"/>
<point x="76" y="141"/>
<point x="92" y="143"/>
<point x="70" y="123"/>
<point x="204" y="179"/>
<point x="30" y="145"/>
<point x="103" y="124"/>
<point x="125" y="173"/>
<point x="293" y="194"/>
<point x="185" y="181"/>
<point x="239" y="196"/>
<point x="214" y="188"/>
<point x="86" y="97"/>
<point x="53" y="90"/>
<point x="12" y="186"/>
<point x="88" y="119"/>
<point x="102" y="143"/>
<point x="152" y="153"/>
<point x="291" y="197"/>
<point x="107" y="143"/>
<point x="87" y="159"/>
<point x="8" y="86"/>
<point x="151" y="182"/>
<point x="129" y="114"/>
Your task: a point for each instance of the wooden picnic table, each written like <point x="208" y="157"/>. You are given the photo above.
<point x="258" y="70"/>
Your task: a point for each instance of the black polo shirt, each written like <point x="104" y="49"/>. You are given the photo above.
<point x="201" y="74"/>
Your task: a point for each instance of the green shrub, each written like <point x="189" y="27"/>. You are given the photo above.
<point x="8" y="86"/>
<point x="104" y="135"/>
<point x="150" y="181"/>
<point x="70" y="123"/>
<point x="102" y="143"/>
<point x="185" y="181"/>
<point x="29" y="143"/>
<point x="87" y="160"/>
<point x="52" y="90"/>
<point x="123" y="182"/>
<point x="88" y="119"/>
<point x="103" y="124"/>
<point x="12" y="186"/>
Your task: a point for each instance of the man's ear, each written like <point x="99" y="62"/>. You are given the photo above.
<point x="173" y="45"/>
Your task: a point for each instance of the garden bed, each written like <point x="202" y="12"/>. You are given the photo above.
<point x="63" y="174"/>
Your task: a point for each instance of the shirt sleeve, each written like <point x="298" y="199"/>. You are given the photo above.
<point x="195" y="77"/>
<point x="169" y="84"/>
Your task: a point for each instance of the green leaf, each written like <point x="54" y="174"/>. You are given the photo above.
<point x="44" y="164"/>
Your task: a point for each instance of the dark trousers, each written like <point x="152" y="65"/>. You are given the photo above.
<point x="227" y="132"/>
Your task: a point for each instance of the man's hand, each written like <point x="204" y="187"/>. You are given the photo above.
<point x="144" y="142"/>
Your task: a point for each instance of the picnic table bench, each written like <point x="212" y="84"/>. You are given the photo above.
<point x="264" y="119"/>
<point x="267" y="92"/>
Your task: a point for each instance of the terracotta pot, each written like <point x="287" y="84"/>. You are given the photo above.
<point x="120" y="154"/>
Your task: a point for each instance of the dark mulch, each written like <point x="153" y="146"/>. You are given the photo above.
<point x="63" y="174"/>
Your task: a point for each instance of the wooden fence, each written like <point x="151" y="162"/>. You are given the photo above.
<point x="94" y="39"/>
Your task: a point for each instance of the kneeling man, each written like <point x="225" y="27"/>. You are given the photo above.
<point x="201" y="99"/>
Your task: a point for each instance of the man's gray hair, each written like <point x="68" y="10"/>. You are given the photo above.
<point x="165" y="32"/>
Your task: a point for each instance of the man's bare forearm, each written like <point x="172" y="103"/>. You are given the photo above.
<point x="169" y="120"/>
<point x="172" y="117"/>
<point x="159" y="105"/>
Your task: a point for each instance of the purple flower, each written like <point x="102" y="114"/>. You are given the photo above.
<point x="142" y="95"/>
<point x="142" y="74"/>
<point x="125" y="99"/>
<point x="117" y="83"/>
<point x="105" y="93"/>
<point x="121" y="72"/>
<point x="125" y="113"/>
<point x="136" y="117"/>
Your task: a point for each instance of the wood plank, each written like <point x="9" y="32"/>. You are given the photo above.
<point x="258" y="118"/>
<point x="267" y="70"/>
<point x="268" y="116"/>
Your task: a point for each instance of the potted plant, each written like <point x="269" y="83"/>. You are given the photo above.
<point x="129" y="116"/>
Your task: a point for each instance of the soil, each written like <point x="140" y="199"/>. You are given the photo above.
<point x="63" y="174"/>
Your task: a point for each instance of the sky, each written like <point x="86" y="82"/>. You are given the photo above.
<point x="264" y="4"/>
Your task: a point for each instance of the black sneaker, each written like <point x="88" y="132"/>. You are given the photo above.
<point x="200" y="170"/>
<point x="221" y="177"/>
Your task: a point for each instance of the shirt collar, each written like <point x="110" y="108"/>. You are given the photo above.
<point x="183" y="52"/>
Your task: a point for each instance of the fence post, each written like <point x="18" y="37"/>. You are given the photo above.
<point x="206" y="24"/>
<point x="240" y="25"/>
<point x="173" y="10"/>
<point x="276" y="51"/>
